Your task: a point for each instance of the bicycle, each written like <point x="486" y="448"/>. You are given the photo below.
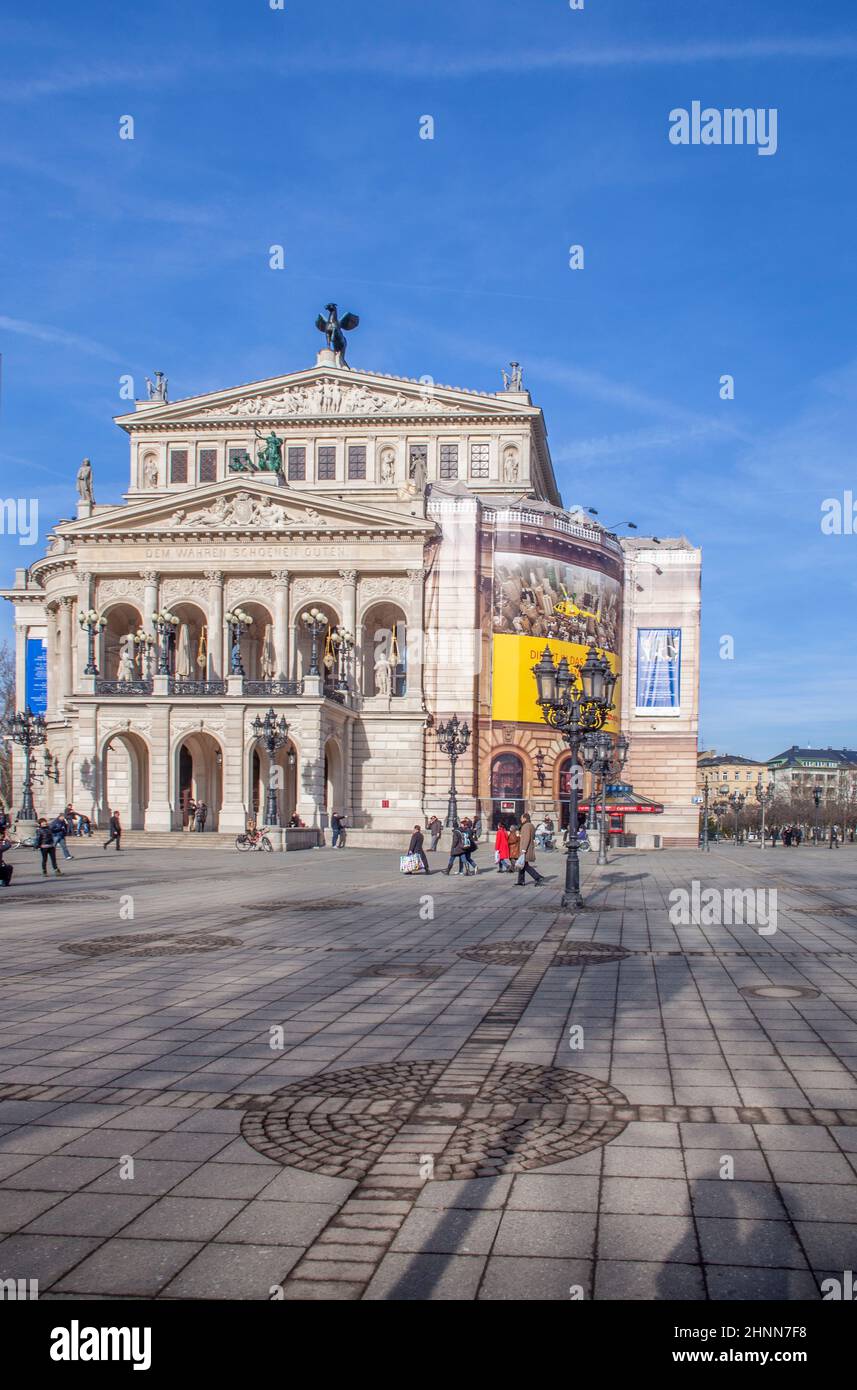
<point x="254" y="839"/>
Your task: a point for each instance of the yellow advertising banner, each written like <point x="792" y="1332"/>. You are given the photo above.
<point x="513" y="692"/>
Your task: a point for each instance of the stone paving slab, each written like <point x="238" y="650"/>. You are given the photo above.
<point x="302" y="1087"/>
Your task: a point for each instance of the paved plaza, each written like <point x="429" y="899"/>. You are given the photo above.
<point x="304" y="1076"/>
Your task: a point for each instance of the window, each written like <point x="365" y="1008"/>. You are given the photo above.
<point x="357" y="460"/>
<point x="507" y="778"/>
<point x="297" y="463"/>
<point x="449" y="460"/>
<point x="479" y="460"/>
<point x="208" y="465"/>
<point x="239" y="459"/>
<point x="178" y="465"/>
<point x="327" y="461"/>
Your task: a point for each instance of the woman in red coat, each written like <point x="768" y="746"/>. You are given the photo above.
<point x="501" y="850"/>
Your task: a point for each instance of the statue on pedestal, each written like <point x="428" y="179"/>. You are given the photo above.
<point x="270" y="459"/>
<point x="513" y="380"/>
<point x="157" y="389"/>
<point x="383" y="673"/>
<point x="84" y="482"/>
<point x="332" y="327"/>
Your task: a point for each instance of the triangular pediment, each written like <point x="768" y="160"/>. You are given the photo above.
<point x="238" y="507"/>
<point x="323" y="393"/>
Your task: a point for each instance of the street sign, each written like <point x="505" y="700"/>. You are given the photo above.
<point x="696" y="800"/>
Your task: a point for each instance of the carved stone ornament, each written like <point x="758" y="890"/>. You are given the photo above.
<point x="175" y="590"/>
<point x="385" y="586"/>
<point x="239" y="591"/>
<point x="322" y="587"/>
<point x="106" y="590"/>
<point x="245" y="511"/>
<point x="330" y="397"/>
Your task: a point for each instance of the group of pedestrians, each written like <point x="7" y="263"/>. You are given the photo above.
<point x="197" y="815"/>
<point x="514" y="848"/>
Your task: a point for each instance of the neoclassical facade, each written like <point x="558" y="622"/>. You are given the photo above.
<point x="402" y="516"/>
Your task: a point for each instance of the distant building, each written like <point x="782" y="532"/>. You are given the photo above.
<point x="800" y="770"/>
<point x="728" y="773"/>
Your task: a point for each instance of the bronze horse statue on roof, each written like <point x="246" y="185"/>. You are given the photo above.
<point x="332" y="327"/>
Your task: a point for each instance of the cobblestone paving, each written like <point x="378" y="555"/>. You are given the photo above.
<point x="486" y="1150"/>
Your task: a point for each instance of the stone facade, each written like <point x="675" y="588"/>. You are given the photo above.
<point x="379" y="517"/>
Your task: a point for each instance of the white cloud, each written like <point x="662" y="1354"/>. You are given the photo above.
<point x="46" y="333"/>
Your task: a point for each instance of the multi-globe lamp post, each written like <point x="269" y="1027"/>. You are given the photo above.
<point x="609" y="760"/>
<point x="736" y="801"/>
<point x="315" y="621"/>
<point x="238" y="622"/>
<point x="706" y="792"/>
<point x="575" y="711"/>
<point x="765" y="797"/>
<point x="817" y="793"/>
<point x="273" y="733"/>
<point x="29" y="731"/>
<point x="453" y="739"/>
<point x="342" y="642"/>
<point x="165" y="625"/>
<point x="93" y="625"/>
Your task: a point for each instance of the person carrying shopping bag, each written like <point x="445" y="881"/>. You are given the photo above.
<point x="527" y="854"/>
<point x="501" y="850"/>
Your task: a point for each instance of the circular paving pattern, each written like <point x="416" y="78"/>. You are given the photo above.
<point x="150" y="944"/>
<point x="291" y="905"/>
<point x="405" y="970"/>
<point x="523" y="1117"/>
<point x="780" y="992"/>
<point x="588" y="953"/>
<point x="500" y="952"/>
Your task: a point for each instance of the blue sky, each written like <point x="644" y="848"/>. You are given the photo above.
<point x="300" y="127"/>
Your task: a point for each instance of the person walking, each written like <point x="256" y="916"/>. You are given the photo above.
<point x="115" y="832"/>
<point x="527" y="854"/>
<point x="59" y="828"/>
<point x="5" y="869"/>
<point x="456" y="849"/>
<point x="834" y="837"/>
<point x="416" y="847"/>
<point x="468" y="845"/>
<point x="514" y="842"/>
<point x="201" y="813"/>
<point x="337" y="825"/>
<point x="435" y="829"/>
<point x="501" y="850"/>
<point x="45" y="845"/>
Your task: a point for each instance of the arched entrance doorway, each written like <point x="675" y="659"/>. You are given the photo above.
<point x="125" y="779"/>
<point x="198" y="777"/>
<point x="507" y="789"/>
<point x="285" y="771"/>
<point x="334" y="787"/>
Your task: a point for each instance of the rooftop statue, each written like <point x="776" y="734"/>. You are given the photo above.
<point x="84" y="482"/>
<point x="157" y="389"/>
<point x="513" y="380"/>
<point x="332" y="327"/>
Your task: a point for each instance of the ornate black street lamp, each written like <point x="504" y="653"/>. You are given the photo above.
<point x="706" y="791"/>
<point x="29" y="731"/>
<point x="274" y="733"/>
<point x="165" y="625"/>
<point x="541" y="775"/>
<point x="816" y="796"/>
<point x="315" y="622"/>
<point x="92" y="624"/>
<point x="609" y="762"/>
<point x="764" y="796"/>
<point x="453" y="739"/>
<point x="575" y="712"/>
<point x="342" y="642"/>
<point x="736" y="801"/>
<point x="238" y="622"/>
<point x="52" y="767"/>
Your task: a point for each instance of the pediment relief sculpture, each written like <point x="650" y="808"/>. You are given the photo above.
<point x="242" y="510"/>
<point x="330" y="397"/>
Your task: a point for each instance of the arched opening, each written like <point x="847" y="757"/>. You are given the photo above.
<point x="121" y="658"/>
<point x="189" y="657"/>
<point x="198" y="780"/>
<point x="125" y="779"/>
<point x="384" y="650"/>
<point x="282" y="776"/>
<point x="258" y="656"/>
<point x="507" y="789"/>
<point x="303" y="643"/>
<point x="334" y="786"/>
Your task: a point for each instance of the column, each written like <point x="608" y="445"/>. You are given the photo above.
<point x="66" y="644"/>
<point x="281" y="623"/>
<point x="416" y="633"/>
<point x="216" y="670"/>
<point x="150" y="599"/>
<point x="349" y="615"/>
<point x="84" y="603"/>
<point x="53" y="673"/>
<point x="22" y="632"/>
<point x="159" y="815"/>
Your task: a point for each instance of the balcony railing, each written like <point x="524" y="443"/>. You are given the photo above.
<point x="198" y="689"/>
<point x="274" y="689"/>
<point x="138" y="687"/>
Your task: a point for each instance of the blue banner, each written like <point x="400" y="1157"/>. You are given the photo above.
<point x="37" y="675"/>
<point x="658" y="667"/>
